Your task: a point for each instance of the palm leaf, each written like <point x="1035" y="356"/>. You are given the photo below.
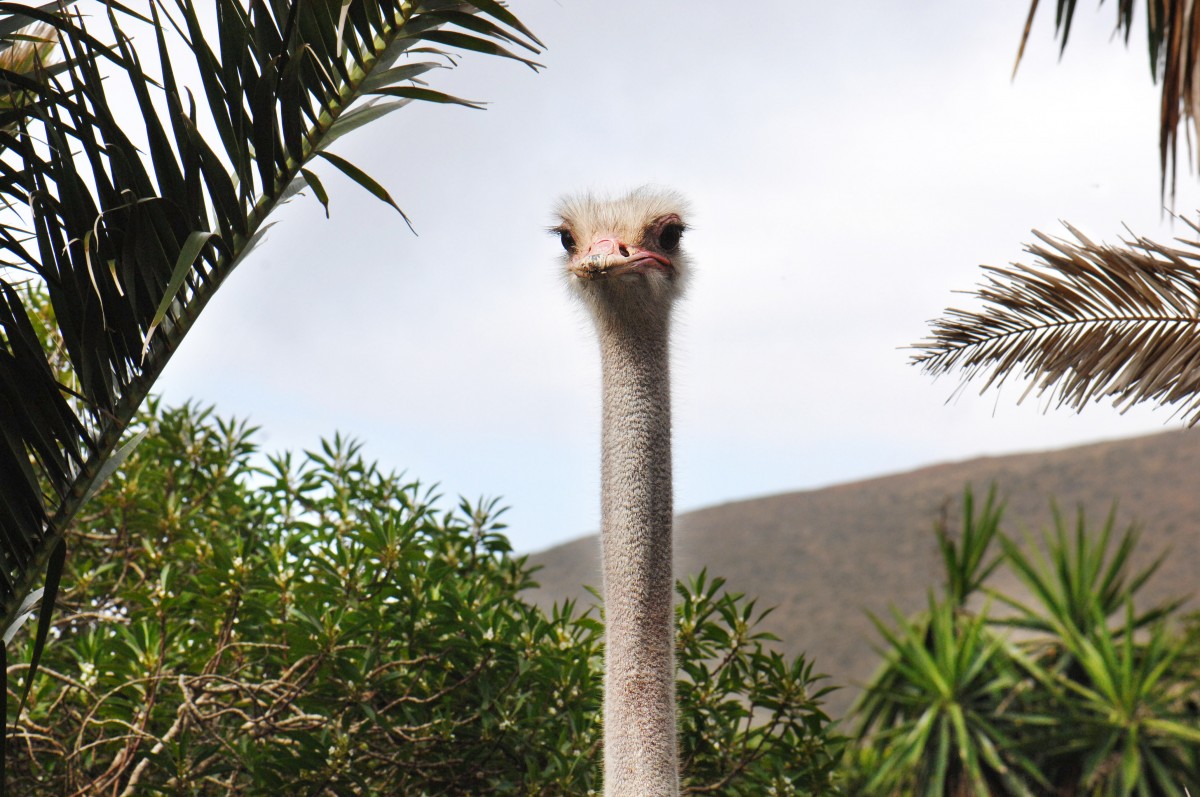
<point x="131" y="222"/>
<point x="1173" y="45"/>
<point x="1085" y="322"/>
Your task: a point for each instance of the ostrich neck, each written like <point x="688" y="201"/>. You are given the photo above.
<point x="641" y="758"/>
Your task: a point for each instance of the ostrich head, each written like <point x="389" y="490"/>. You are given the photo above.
<point x="623" y="256"/>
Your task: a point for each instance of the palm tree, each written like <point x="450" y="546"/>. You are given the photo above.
<point x="1173" y="39"/>
<point x="1086" y="320"/>
<point x="131" y="222"/>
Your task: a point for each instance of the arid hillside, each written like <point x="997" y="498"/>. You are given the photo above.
<point x="827" y="557"/>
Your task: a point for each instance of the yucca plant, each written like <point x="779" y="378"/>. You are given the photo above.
<point x="932" y="711"/>
<point x="1103" y="702"/>
<point x="1115" y="723"/>
<point x="1071" y="692"/>
<point x="965" y="559"/>
<point x="1079" y="579"/>
<point x="934" y="715"/>
<point x="131" y="221"/>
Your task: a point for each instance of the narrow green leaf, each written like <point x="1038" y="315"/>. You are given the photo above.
<point x="464" y="42"/>
<point x="426" y="95"/>
<point x="4" y="725"/>
<point x="112" y="463"/>
<point x="501" y="13"/>
<point x="54" y="569"/>
<point x="15" y="22"/>
<point x="366" y="181"/>
<point x="319" y="190"/>
<point x="362" y="114"/>
<point x="482" y="26"/>
<point x="24" y="612"/>
<point x="341" y="27"/>
<point x="183" y="266"/>
<point x="386" y="77"/>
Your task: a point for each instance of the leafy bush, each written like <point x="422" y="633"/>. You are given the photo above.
<point x="234" y="625"/>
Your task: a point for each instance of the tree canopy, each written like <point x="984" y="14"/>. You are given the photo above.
<point x="309" y="623"/>
<point x="131" y="221"/>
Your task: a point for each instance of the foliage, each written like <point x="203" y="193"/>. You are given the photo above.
<point x="965" y="560"/>
<point x="1074" y="704"/>
<point x="131" y="216"/>
<point x="312" y="625"/>
<point x="1173" y="44"/>
<point x="1086" y="321"/>
<point x="750" y="720"/>
<point x="1081" y="580"/>
<point x="1089" y="320"/>
<point x="931" y="712"/>
<point x="1121" y="724"/>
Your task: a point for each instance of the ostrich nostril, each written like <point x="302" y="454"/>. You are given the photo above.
<point x="624" y="250"/>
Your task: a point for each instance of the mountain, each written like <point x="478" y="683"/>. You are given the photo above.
<point x="827" y="557"/>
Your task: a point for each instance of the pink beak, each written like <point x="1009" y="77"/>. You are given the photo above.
<point x="608" y="257"/>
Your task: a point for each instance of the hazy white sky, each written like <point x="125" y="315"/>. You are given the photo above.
<point x="849" y="166"/>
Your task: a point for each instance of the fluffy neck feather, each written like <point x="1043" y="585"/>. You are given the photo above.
<point x="641" y="756"/>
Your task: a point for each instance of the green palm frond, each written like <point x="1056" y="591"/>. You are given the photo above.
<point x="1086" y="321"/>
<point x="131" y="221"/>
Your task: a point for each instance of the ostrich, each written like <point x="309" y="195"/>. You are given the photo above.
<point x="624" y="262"/>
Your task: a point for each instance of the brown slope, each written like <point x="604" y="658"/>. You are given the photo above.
<point x="827" y="557"/>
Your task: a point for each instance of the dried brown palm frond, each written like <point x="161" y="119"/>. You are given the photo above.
<point x="1173" y="39"/>
<point x="1086" y="321"/>
<point x="28" y="49"/>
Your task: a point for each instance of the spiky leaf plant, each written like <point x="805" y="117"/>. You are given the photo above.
<point x="1086" y="321"/>
<point x="1116" y="722"/>
<point x="932" y="720"/>
<point x="965" y="558"/>
<point x="1103" y="699"/>
<point x="931" y="712"/>
<point x="1079" y="580"/>
<point x="131" y="218"/>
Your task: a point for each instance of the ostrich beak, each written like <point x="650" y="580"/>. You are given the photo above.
<point x="608" y="257"/>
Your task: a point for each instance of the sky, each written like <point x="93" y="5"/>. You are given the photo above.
<point x="849" y="167"/>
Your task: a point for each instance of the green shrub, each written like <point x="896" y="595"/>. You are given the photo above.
<point x="311" y="625"/>
<point x="1091" y="698"/>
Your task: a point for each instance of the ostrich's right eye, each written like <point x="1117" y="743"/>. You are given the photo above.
<point x="568" y="240"/>
<point x="668" y="239"/>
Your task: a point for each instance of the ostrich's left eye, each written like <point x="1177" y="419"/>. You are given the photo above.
<point x="568" y="240"/>
<point x="668" y="239"/>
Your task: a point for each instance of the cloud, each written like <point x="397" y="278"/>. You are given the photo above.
<point x="848" y="171"/>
